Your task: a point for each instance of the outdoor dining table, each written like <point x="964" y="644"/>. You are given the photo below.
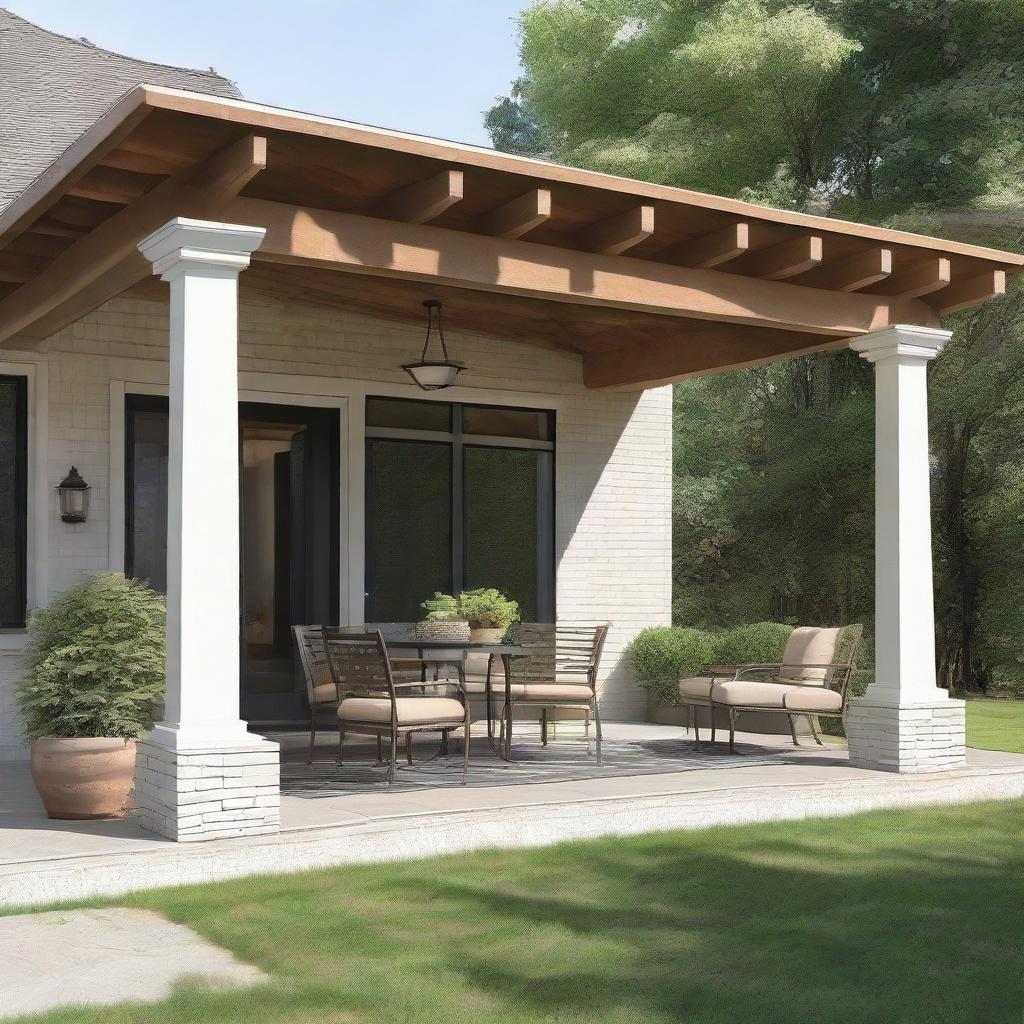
<point x="454" y="652"/>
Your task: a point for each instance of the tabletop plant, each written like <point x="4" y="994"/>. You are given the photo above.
<point x="442" y="608"/>
<point x="487" y="608"/>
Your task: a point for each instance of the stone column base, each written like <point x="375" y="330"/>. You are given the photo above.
<point x="907" y="738"/>
<point x="191" y="795"/>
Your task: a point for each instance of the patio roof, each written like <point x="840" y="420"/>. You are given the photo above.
<point x="647" y="283"/>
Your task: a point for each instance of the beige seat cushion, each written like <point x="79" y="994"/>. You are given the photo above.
<point x="325" y="693"/>
<point x="813" y="698"/>
<point x="411" y="710"/>
<point x="810" y="645"/>
<point x="696" y="688"/>
<point x="552" y="691"/>
<point x="752" y="693"/>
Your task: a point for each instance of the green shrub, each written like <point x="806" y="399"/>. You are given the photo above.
<point x="754" y="643"/>
<point x="663" y="656"/>
<point x="95" y="661"/>
<point x="487" y="608"/>
<point x="442" y="607"/>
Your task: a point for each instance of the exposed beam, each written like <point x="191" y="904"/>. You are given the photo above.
<point x="516" y="218"/>
<point x="16" y="268"/>
<point x="365" y="245"/>
<point x="785" y="259"/>
<point x="853" y="273"/>
<point x="422" y="201"/>
<point x="971" y="292"/>
<point x="617" y="235"/>
<point x="717" y="248"/>
<point x="54" y="230"/>
<point x="111" y="185"/>
<point x="700" y="348"/>
<point x="106" y="261"/>
<point x="926" y="277"/>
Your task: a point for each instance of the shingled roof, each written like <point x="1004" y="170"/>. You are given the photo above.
<point x="53" y="87"/>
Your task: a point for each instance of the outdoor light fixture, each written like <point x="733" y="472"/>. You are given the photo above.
<point x="74" y="498"/>
<point x="434" y="374"/>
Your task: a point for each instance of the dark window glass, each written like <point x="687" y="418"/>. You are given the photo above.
<point x="13" y="496"/>
<point x="408" y="415"/>
<point x="408" y="527"/>
<point x="507" y="510"/>
<point x="528" y="424"/>
<point x="146" y="477"/>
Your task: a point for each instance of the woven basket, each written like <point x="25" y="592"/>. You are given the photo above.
<point x="442" y="629"/>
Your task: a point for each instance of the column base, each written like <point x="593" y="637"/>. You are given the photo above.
<point x="214" y="793"/>
<point x="906" y="738"/>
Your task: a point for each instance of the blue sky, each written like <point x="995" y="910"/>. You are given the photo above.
<point x="429" y="66"/>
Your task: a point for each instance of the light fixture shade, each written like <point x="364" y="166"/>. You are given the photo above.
<point x="74" y="498"/>
<point x="434" y="376"/>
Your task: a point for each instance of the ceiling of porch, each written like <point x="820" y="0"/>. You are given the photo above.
<point x="647" y="283"/>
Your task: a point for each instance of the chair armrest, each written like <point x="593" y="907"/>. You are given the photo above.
<point x="780" y="669"/>
<point x="718" y="670"/>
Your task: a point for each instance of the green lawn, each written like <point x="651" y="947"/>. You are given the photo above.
<point x="996" y="725"/>
<point x="886" y="917"/>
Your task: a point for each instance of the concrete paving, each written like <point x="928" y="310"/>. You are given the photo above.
<point x="326" y="819"/>
<point x="102" y="957"/>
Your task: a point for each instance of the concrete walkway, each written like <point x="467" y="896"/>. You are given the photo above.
<point x="329" y="820"/>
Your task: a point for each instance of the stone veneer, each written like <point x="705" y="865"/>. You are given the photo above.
<point x="913" y="739"/>
<point x="208" y="794"/>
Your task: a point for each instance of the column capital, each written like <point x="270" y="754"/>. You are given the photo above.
<point x="202" y="247"/>
<point x="906" y="341"/>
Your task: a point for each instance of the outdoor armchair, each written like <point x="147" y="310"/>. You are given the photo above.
<point x="813" y="679"/>
<point x="370" y="702"/>
<point x="321" y="692"/>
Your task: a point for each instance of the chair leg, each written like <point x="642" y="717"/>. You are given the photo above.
<point x="711" y="705"/>
<point x="597" y="727"/>
<point x="508" y="732"/>
<point x="792" y="729"/>
<point x="380" y="749"/>
<point x="465" y="749"/>
<point x="732" y="730"/>
<point x="341" y="745"/>
<point x="813" y="720"/>
<point x="408" y="748"/>
<point x="543" y="727"/>
<point x="312" y="738"/>
<point x="394" y="756"/>
<point x="695" y="724"/>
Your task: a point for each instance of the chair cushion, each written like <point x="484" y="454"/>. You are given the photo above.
<point x="325" y="693"/>
<point x="813" y="698"/>
<point x="810" y="645"/>
<point x="411" y="710"/>
<point x="696" y="687"/>
<point x="752" y="693"/>
<point x="552" y="691"/>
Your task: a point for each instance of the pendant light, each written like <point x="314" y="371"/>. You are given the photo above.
<point x="434" y="374"/>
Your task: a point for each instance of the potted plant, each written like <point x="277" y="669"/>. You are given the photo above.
<point x="94" y="677"/>
<point x="489" y="612"/>
<point x="443" y="621"/>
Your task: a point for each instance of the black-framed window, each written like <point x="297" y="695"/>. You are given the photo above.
<point x="145" y="519"/>
<point x="458" y="496"/>
<point x="13" y="500"/>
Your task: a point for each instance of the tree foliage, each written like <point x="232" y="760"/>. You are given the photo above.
<point x="885" y="111"/>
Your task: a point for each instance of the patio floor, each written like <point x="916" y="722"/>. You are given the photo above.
<point x="653" y="778"/>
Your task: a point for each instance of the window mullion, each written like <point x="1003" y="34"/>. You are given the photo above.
<point x="458" y="502"/>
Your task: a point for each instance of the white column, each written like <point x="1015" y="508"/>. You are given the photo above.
<point x="183" y="786"/>
<point x="904" y="722"/>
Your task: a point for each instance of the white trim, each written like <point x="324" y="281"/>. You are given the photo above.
<point x="38" y="505"/>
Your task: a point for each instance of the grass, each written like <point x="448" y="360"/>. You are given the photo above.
<point x="891" y="916"/>
<point x="996" y="725"/>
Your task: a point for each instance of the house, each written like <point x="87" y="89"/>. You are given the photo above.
<point x="206" y="305"/>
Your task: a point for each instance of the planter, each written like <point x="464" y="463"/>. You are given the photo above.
<point x="485" y="635"/>
<point x="87" y="777"/>
<point x="442" y="629"/>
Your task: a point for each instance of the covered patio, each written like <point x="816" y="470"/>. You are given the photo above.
<point x="617" y="287"/>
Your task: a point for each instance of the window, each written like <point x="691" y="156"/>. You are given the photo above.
<point x="145" y="547"/>
<point x="13" y="500"/>
<point x="457" y="497"/>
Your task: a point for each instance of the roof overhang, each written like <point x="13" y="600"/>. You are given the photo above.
<point x="647" y="283"/>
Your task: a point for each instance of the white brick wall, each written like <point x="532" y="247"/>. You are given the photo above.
<point x="613" y="463"/>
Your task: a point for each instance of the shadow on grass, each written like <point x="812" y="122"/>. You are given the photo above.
<point x="887" y="917"/>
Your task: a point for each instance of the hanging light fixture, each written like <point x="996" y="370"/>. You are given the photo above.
<point x="74" y="498"/>
<point x="434" y="374"/>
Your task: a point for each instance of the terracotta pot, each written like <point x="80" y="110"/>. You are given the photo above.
<point x="485" y="635"/>
<point x="87" y="777"/>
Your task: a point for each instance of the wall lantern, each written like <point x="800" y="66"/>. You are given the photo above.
<point x="74" y="498"/>
<point x="434" y="374"/>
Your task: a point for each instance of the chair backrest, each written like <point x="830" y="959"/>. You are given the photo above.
<point x="358" y="663"/>
<point x="562" y="653"/>
<point x="821" y="645"/>
<point x="309" y="641"/>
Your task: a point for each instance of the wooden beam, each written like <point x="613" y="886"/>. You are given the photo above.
<point x="365" y="245"/>
<point x="699" y="349"/>
<point x="424" y="200"/>
<point x="17" y="268"/>
<point x="111" y="185"/>
<point x="516" y="218"/>
<point x="717" y="248"/>
<point x="617" y="235"/>
<point x="972" y="291"/>
<point x="106" y="261"/>
<point x="853" y="273"/>
<point x="924" y="278"/>
<point x="785" y="259"/>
